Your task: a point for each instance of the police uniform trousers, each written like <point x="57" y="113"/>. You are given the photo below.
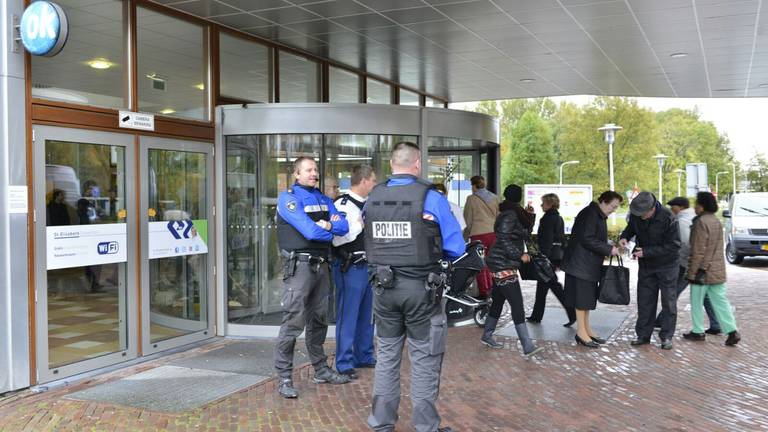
<point x="354" y="319"/>
<point x="305" y="303"/>
<point x="651" y="283"/>
<point x="406" y="313"/>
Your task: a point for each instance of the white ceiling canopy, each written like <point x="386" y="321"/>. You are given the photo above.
<point x="498" y="49"/>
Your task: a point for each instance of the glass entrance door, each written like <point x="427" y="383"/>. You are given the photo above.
<point x="177" y="242"/>
<point x="454" y="170"/>
<point x="85" y="266"/>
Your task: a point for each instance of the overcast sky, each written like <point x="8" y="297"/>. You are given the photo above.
<point x="741" y="119"/>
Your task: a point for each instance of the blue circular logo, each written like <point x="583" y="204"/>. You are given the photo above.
<point x="44" y="28"/>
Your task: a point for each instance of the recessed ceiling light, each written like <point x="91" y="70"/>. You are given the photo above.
<point x="679" y="55"/>
<point x="168" y="111"/>
<point x="200" y="86"/>
<point x="100" y="63"/>
<point x="527" y="80"/>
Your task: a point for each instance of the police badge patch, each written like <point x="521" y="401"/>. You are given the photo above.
<point x="291" y="206"/>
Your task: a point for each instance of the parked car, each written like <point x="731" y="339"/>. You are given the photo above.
<point x="746" y="226"/>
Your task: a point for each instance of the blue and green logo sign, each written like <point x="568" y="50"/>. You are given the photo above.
<point x="44" y="28"/>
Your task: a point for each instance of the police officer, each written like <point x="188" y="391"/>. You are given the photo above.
<point x="409" y="228"/>
<point x="306" y="224"/>
<point x="354" y="298"/>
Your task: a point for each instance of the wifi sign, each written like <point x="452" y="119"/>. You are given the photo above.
<point x="107" y="248"/>
<point x="44" y="28"/>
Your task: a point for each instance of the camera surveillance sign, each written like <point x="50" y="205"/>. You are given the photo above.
<point x="178" y="238"/>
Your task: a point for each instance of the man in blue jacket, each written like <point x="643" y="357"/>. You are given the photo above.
<point x="306" y="223"/>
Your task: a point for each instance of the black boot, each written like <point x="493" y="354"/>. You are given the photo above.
<point x="286" y="390"/>
<point x="529" y="348"/>
<point x="487" y="338"/>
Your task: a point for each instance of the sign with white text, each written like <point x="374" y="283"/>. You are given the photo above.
<point x="70" y="246"/>
<point x="178" y="238"/>
<point x="44" y="28"/>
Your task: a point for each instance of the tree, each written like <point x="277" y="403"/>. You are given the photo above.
<point x="757" y="173"/>
<point x="531" y="155"/>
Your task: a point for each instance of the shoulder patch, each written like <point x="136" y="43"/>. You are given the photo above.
<point x="291" y="205"/>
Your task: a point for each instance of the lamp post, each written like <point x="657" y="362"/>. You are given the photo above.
<point x="733" y="165"/>
<point x="609" y="129"/>
<point x="564" y="164"/>
<point x="680" y="173"/>
<point x="660" y="159"/>
<point x="717" y="183"/>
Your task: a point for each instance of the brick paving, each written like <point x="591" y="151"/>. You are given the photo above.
<point x="695" y="387"/>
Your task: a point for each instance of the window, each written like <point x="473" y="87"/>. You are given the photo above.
<point x="434" y="103"/>
<point x="378" y="92"/>
<point x="344" y="86"/>
<point x="409" y="98"/>
<point x="244" y="69"/>
<point x="91" y="69"/>
<point x="171" y="66"/>
<point x="299" y="79"/>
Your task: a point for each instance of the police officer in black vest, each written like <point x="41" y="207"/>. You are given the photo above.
<point x="409" y="228"/>
<point x="306" y="223"/>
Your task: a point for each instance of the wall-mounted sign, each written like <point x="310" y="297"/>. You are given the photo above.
<point x="178" y="238"/>
<point x="70" y="246"/>
<point x="44" y="28"/>
<point x="134" y="120"/>
<point x="17" y="199"/>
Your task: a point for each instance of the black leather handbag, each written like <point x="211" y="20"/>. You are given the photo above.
<point x="614" y="284"/>
<point x="539" y="268"/>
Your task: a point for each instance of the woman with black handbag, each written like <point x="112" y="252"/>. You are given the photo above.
<point x="583" y="262"/>
<point x="512" y="227"/>
<point x="551" y="240"/>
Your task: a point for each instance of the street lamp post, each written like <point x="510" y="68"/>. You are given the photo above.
<point x="733" y="165"/>
<point x="609" y="129"/>
<point x="564" y="164"/>
<point x="717" y="183"/>
<point x="680" y="173"/>
<point x="660" y="159"/>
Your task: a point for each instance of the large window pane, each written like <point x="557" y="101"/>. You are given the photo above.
<point x="378" y="92"/>
<point x="91" y="68"/>
<point x="244" y="69"/>
<point x="171" y="66"/>
<point x="344" y="86"/>
<point x="299" y="79"/>
<point x="409" y="98"/>
<point x="434" y="103"/>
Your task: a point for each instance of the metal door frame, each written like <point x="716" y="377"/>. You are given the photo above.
<point x="147" y="143"/>
<point x="41" y="134"/>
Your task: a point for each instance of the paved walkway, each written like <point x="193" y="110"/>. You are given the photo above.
<point x="697" y="387"/>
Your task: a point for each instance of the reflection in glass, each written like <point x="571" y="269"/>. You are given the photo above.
<point x="433" y="103"/>
<point x="178" y="285"/>
<point x="244" y="69"/>
<point x="90" y="70"/>
<point x="85" y="185"/>
<point x="344" y="86"/>
<point x="408" y="97"/>
<point x="454" y="171"/>
<point x="171" y="65"/>
<point x="299" y="79"/>
<point x="378" y="92"/>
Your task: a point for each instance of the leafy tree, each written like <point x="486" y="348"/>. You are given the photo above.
<point x="531" y="156"/>
<point x="757" y="173"/>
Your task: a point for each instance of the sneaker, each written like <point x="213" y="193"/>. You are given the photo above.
<point x="712" y="331"/>
<point x="351" y="373"/>
<point x="286" y="390"/>
<point x="691" y="336"/>
<point x="733" y="338"/>
<point x="327" y="375"/>
<point x="666" y="344"/>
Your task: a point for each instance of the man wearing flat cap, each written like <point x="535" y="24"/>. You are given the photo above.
<point x="658" y="244"/>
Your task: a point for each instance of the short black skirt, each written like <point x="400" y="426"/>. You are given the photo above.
<point x="580" y="293"/>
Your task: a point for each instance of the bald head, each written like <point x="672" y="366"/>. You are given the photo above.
<point x="406" y="159"/>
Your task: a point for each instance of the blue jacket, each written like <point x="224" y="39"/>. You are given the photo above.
<point x="300" y="206"/>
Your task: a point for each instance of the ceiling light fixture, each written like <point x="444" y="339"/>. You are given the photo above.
<point x="168" y="111"/>
<point x="527" y="80"/>
<point x="100" y="63"/>
<point x="200" y="86"/>
<point x="679" y="55"/>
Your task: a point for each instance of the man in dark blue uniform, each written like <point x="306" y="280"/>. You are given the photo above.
<point x="409" y="228"/>
<point x="306" y="224"/>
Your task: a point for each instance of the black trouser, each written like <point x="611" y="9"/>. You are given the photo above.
<point x="682" y="284"/>
<point x="649" y="285"/>
<point x="541" y="300"/>
<point x="509" y="291"/>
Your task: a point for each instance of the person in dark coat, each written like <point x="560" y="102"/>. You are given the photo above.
<point x="512" y="227"/>
<point x="583" y="262"/>
<point x="58" y="210"/>
<point x="657" y="237"/>
<point x="551" y="240"/>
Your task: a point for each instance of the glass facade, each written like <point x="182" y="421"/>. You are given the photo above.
<point x="299" y="79"/>
<point x="244" y="69"/>
<point x="378" y="92"/>
<point x="91" y="69"/>
<point x="434" y="103"/>
<point x="344" y="86"/>
<point x="408" y="97"/>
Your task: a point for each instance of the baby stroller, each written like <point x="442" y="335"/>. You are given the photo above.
<point x="463" y="272"/>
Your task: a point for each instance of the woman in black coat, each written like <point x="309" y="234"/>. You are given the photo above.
<point x="512" y="228"/>
<point x="551" y="240"/>
<point x="583" y="262"/>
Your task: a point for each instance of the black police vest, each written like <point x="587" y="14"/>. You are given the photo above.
<point x="396" y="233"/>
<point x="291" y="240"/>
<point x="358" y="244"/>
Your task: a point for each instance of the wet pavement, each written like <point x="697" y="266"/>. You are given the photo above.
<point x="698" y="386"/>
